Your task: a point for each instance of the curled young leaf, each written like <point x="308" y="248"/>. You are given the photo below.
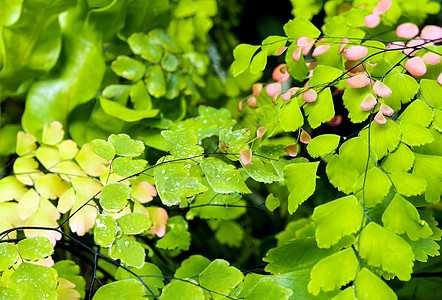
<point x="292" y="149"/>
<point x="382" y="7"/>
<point x="321" y="49"/>
<point x="379" y="118"/>
<point x="386" y="110"/>
<point x="310" y="95"/>
<point x="356" y="52"/>
<point x="372" y="20"/>
<point x="416" y="66"/>
<point x="431" y="58"/>
<point x="369" y="102"/>
<point x="273" y="89"/>
<point x="358" y="81"/>
<point x="305" y="137"/>
<point x="245" y="156"/>
<point x="381" y="89"/>
<point x="407" y="30"/>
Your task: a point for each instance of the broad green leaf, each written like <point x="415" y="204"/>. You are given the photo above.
<point x="333" y="272"/>
<point x="220" y="277"/>
<point x="122" y="289"/>
<point x="323" y="75"/>
<point x="115" y="109"/>
<point x="337" y="219"/>
<point x="229" y="233"/>
<point x="183" y="143"/>
<point x="143" y="45"/>
<point x="35" y="248"/>
<point x="90" y="163"/>
<point x="414" y="134"/>
<point x="174" y="182"/>
<point x="382" y="248"/>
<point x="372" y="187"/>
<point x="26" y="170"/>
<point x="422" y="248"/>
<point x="323" y="144"/>
<point x="290" y="116"/>
<point x="114" y="196"/>
<point x="259" y="61"/>
<point x="296" y="230"/>
<point x="125" y="146"/>
<point x="169" y="62"/>
<point x="297" y="69"/>
<point x="347" y="294"/>
<point x="52" y="133"/>
<point x="417" y="112"/>
<point x="407" y="184"/>
<point x="429" y="167"/>
<point x="300" y="26"/>
<point x="401" y="160"/>
<point x="437" y="121"/>
<point x="383" y="137"/>
<point x="10" y="11"/>
<point x="150" y="273"/>
<point x="191" y="267"/>
<point x="177" y="290"/>
<point x="321" y="110"/>
<point x="341" y="174"/>
<point x="105" y="230"/>
<point x="235" y="141"/>
<point x="352" y="99"/>
<point x="128" y="250"/>
<point x="177" y="235"/>
<point x="431" y="91"/>
<point x="103" y="148"/>
<point x="243" y="55"/>
<point x="128" y="68"/>
<point x="48" y="156"/>
<point x="8" y="256"/>
<point x="126" y="166"/>
<point x="369" y="286"/>
<point x="301" y="182"/>
<point x="266" y="288"/>
<point x="8" y="294"/>
<point x="134" y="223"/>
<point x="355" y="151"/>
<point x="65" y="290"/>
<point x="272" y="202"/>
<point x="376" y="49"/>
<point x="223" y="177"/>
<point x="402" y="217"/>
<point x="261" y="171"/>
<point x="11" y="188"/>
<point x="34" y="282"/>
<point x="295" y="255"/>
<point x="28" y="204"/>
<point x="26" y="143"/>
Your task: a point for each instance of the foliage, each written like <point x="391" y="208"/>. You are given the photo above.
<point x="117" y="173"/>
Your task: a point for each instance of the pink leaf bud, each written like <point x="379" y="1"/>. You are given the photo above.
<point x="373" y="20"/>
<point x="292" y="149"/>
<point x="407" y="30"/>
<point x="382" y="7"/>
<point x="379" y="118"/>
<point x="356" y="52"/>
<point x="320" y="50"/>
<point x="273" y="89"/>
<point x="358" y="81"/>
<point x="416" y="66"/>
<point x="245" y="156"/>
<point x="386" y="110"/>
<point x="381" y="89"/>
<point x="310" y="95"/>
<point x="368" y="103"/>
<point x="431" y="58"/>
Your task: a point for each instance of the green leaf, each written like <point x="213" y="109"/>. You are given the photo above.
<point x="8" y="256"/>
<point x="429" y="167"/>
<point x="355" y="152"/>
<point x="155" y="81"/>
<point x="295" y="255"/>
<point x="417" y="112"/>
<point x="128" y="68"/>
<point x="114" y="196"/>
<point x="220" y="277"/>
<point x="323" y="75"/>
<point x="383" y="137"/>
<point x="423" y="248"/>
<point x="382" y="248"/>
<point x="52" y="133"/>
<point x="143" y="45"/>
<point x="341" y="174"/>
<point x="34" y="282"/>
<point x="401" y="160"/>
<point x="243" y="55"/>
<point x="35" y="248"/>
<point x="321" y="110"/>
<point x="105" y="230"/>
<point x="121" y="289"/>
<point x="223" y="177"/>
<point x="431" y="91"/>
<point x="26" y="143"/>
<point x="323" y="144"/>
<point x="297" y="69"/>
<point x="369" y="286"/>
<point x="8" y="294"/>
<point x="259" y="61"/>
<point x="352" y="99"/>
<point x="337" y="219"/>
<point x="125" y="146"/>
<point x="11" y="188"/>
<point x="121" y="112"/>
<point x="134" y="223"/>
<point x="272" y="202"/>
<point x="290" y="116"/>
<point x="126" y="166"/>
<point x="177" y="235"/>
<point x="150" y="273"/>
<point x="407" y="184"/>
<point x="414" y="134"/>
<point x="230" y="233"/>
<point x="273" y="43"/>
<point x="301" y="182"/>
<point x="261" y="171"/>
<point x="372" y="187"/>
<point x="178" y="289"/>
<point x="129" y="251"/>
<point x="266" y="288"/>
<point x="183" y="143"/>
<point x="191" y="267"/>
<point x="103" y="148"/>
<point x="402" y="217"/>
<point x="333" y="272"/>
<point x="174" y="182"/>
<point x="300" y="26"/>
<point x="140" y="98"/>
<point x="10" y="12"/>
